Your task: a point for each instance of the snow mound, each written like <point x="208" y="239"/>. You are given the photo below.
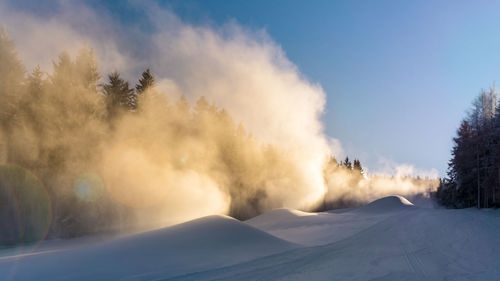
<point x="278" y="215"/>
<point x="200" y="244"/>
<point x="387" y="204"/>
<point x="424" y="244"/>
<point x="313" y="229"/>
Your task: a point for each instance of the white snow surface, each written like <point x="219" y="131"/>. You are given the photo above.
<point x="388" y="239"/>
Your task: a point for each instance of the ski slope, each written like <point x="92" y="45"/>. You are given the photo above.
<point x="388" y="239"/>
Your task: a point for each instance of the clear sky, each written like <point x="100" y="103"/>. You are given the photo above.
<point x="399" y="75"/>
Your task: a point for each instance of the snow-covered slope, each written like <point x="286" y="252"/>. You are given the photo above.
<point x="401" y="243"/>
<point x="201" y="244"/>
<point x="324" y="228"/>
<point x="388" y="239"/>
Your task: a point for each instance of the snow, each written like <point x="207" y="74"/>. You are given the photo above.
<point x="388" y="239"/>
<point x="201" y="244"/>
<point x="387" y="204"/>
<point x="323" y="228"/>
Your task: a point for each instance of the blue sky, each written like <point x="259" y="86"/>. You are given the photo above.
<point x="399" y="75"/>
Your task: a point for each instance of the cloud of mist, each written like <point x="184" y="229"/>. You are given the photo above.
<point x="389" y="168"/>
<point x="147" y="162"/>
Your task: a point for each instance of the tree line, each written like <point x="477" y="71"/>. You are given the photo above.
<point x="473" y="175"/>
<point x="334" y="169"/>
<point x="59" y="139"/>
<point x="56" y="128"/>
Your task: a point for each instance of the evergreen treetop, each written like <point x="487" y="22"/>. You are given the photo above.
<point x="145" y="82"/>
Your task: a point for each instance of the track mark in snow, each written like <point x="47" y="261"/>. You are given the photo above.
<point x="17" y="256"/>
<point x="415" y="264"/>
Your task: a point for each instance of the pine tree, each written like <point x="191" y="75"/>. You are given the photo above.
<point x="79" y="76"/>
<point x="35" y="81"/>
<point x="481" y="119"/>
<point x="473" y="169"/>
<point x="118" y="95"/>
<point x="11" y="79"/>
<point x="32" y="98"/>
<point x="201" y="106"/>
<point x="347" y="163"/>
<point x="86" y="69"/>
<point x="62" y="76"/>
<point x="182" y="106"/>
<point x="462" y="166"/>
<point x="332" y="161"/>
<point x="357" y="166"/>
<point x="495" y="152"/>
<point x="145" y="82"/>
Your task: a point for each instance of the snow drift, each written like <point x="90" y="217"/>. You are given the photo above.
<point x="201" y="244"/>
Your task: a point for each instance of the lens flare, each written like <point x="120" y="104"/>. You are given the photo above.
<point x="11" y="233"/>
<point x="27" y="211"/>
<point x="28" y="205"/>
<point x="88" y="187"/>
<point x="183" y="160"/>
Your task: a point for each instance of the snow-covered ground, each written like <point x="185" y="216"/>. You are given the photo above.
<point x="388" y="239"/>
